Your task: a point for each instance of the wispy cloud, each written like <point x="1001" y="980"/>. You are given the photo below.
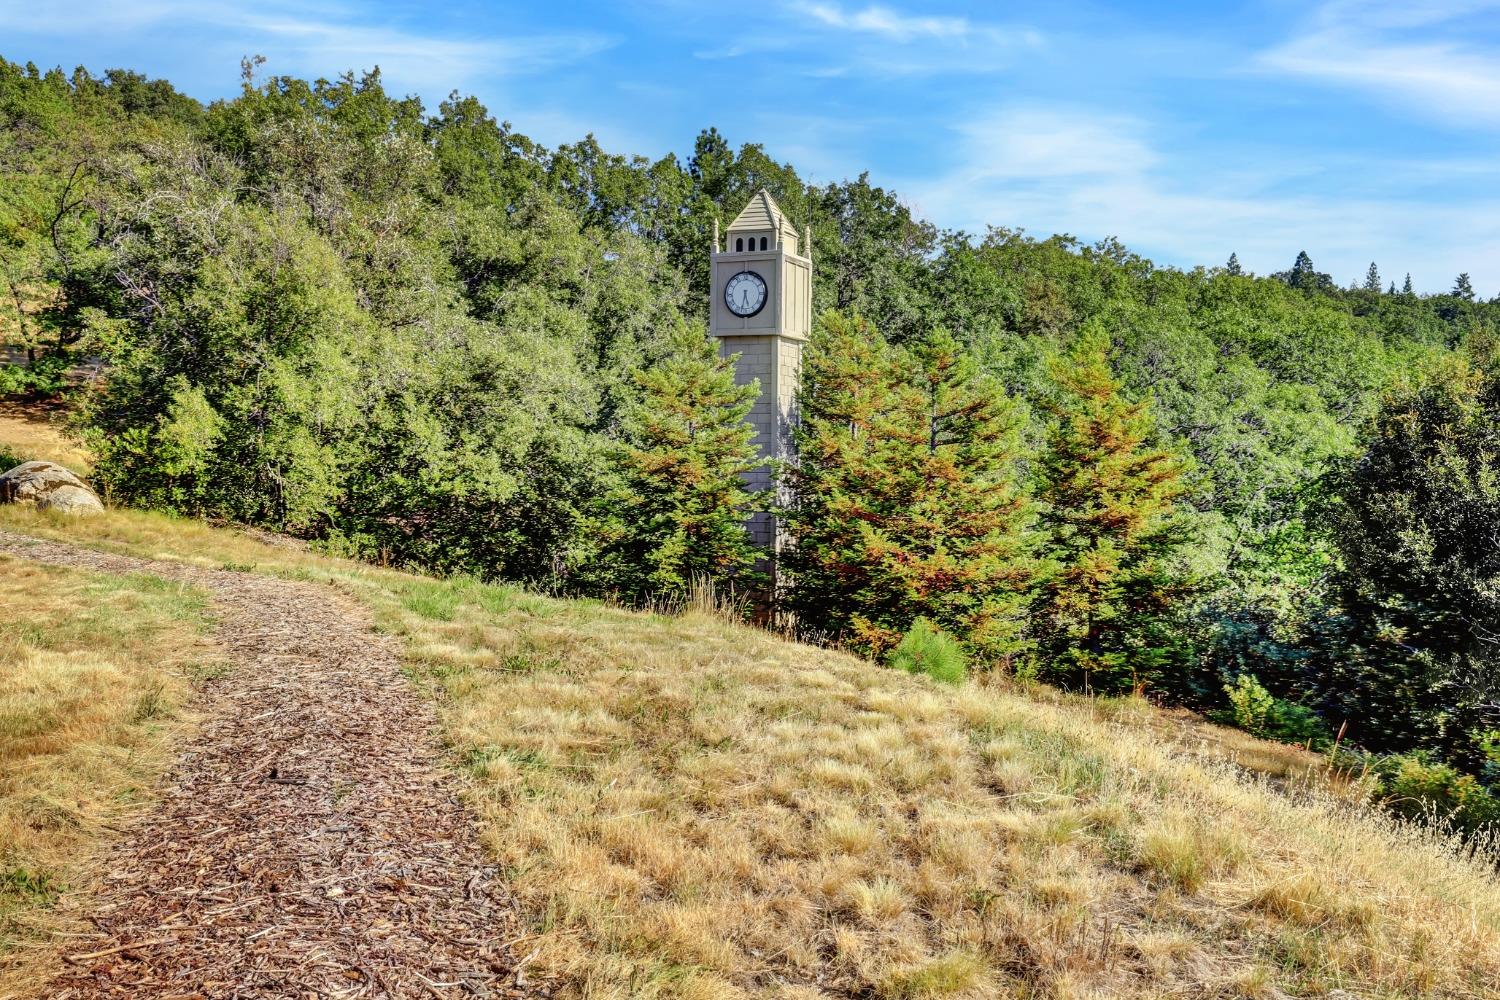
<point x="882" y="41"/>
<point x="319" y="38"/>
<point x="888" y="23"/>
<point x="1423" y="56"/>
<point x="1060" y="169"/>
<point x="1022" y="142"/>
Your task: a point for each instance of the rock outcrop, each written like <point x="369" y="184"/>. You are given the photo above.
<point x="48" y="486"/>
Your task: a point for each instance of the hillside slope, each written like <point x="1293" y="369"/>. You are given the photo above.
<point x="686" y="807"/>
<point x="95" y="669"/>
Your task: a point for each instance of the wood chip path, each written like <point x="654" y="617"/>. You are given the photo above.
<point x="307" y="842"/>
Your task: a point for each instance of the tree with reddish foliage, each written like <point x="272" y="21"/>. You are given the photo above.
<point x="906" y="499"/>
<point x="1109" y="505"/>
<point x="678" y="516"/>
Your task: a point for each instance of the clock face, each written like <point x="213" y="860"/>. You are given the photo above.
<point x="745" y="293"/>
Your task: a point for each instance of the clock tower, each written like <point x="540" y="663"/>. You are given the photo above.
<point x="761" y="309"/>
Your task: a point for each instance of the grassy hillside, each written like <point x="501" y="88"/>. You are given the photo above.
<point x="29" y="432"/>
<point x="94" y="671"/>
<point x="689" y="807"/>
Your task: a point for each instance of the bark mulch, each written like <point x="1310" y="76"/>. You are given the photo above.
<point x="308" y="842"/>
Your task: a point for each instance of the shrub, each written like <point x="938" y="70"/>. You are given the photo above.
<point x="1250" y="704"/>
<point x="1257" y="711"/>
<point x="44" y="377"/>
<point x="1294" y="723"/>
<point x="1419" y="787"/>
<point x="927" y="649"/>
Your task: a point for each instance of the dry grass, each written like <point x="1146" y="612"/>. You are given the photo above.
<point x="29" y="433"/>
<point x="95" y="670"/>
<point x="690" y="808"/>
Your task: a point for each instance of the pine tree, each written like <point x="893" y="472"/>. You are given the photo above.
<point x="906" y="498"/>
<point x="1462" y="288"/>
<point x="1406" y="288"/>
<point x="1372" y="278"/>
<point x="1109" y="505"/>
<point x="849" y="381"/>
<point x="1304" y="276"/>
<point x="1233" y="266"/>
<point x="680" y="513"/>
<point x="1392" y="289"/>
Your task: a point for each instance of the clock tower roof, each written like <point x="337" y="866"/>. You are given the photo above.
<point x="762" y="213"/>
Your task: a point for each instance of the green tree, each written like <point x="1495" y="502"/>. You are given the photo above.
<point x="1415" y="519"/>
<point x="680" y="512"/>
<point x="1304" y="277"/>
<point x="907" y="500"/>
<point x="1372" y="278"/>
<point x="1109" y="503"/>
<point x="1406" y="288"/>
<point x="870" y="257"/>
<point x="1232" y="268"/>
<point x="1462" y="289"/>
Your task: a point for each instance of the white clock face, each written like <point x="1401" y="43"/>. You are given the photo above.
<point x="745" y="293"/>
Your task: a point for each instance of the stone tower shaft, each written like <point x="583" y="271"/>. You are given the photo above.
<point x="770" y="339"/>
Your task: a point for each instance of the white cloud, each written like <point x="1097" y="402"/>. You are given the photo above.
<point x="318" y="39"/>
<point x="881" y="41"/>
<point x="888" y="23"/>
<point x="1051" y="169"/>
<point x="1419" y="55"/>
<point x="1032" y="142"/>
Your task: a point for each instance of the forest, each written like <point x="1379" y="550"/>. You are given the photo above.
<point x="420" y="338"/>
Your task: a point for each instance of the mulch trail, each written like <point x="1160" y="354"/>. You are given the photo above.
<point x="307" y="842"/>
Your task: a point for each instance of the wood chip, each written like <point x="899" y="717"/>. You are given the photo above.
<point x="241" y="859"/>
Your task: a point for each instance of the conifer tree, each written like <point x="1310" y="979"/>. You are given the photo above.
<point x="1233" y="266"/>
<point x="1304" y="276"/>
<point x="1109" y="505"/>
<point x="1303" y="265"/>
<point x="680" y="512"/>
<point x="1406" y="288"/>
<point x="848" y="385"/>
<point x="1392" y="289"/>
<point x="1462" y="288"/>
<point x="907" y="501"/>
<point x="1372" y="278"/>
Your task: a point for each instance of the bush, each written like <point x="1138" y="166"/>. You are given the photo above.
<point x="1417" y="786"/>
<point x="45" y="377"/>
<point x="1260" y="713"/>
<point x="1250" y="704"/>
<point x="927" y="649"/>
<point x="1294" y="723"/>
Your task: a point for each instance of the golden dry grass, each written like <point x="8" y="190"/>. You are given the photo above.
<point x="31" y="433"/>
<point x="95" y="671"/>
<point x="686" y="807"/>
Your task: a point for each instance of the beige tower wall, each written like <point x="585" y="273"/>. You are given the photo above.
<point x="777" y="362"/>
<point x="770" y="342"/>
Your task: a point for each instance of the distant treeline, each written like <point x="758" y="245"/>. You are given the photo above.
<point x="423" y="338"/>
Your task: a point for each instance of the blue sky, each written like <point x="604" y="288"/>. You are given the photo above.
<point x="1355" y="130"/>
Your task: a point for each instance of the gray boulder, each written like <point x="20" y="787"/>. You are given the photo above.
<point x="48" y="486"/>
